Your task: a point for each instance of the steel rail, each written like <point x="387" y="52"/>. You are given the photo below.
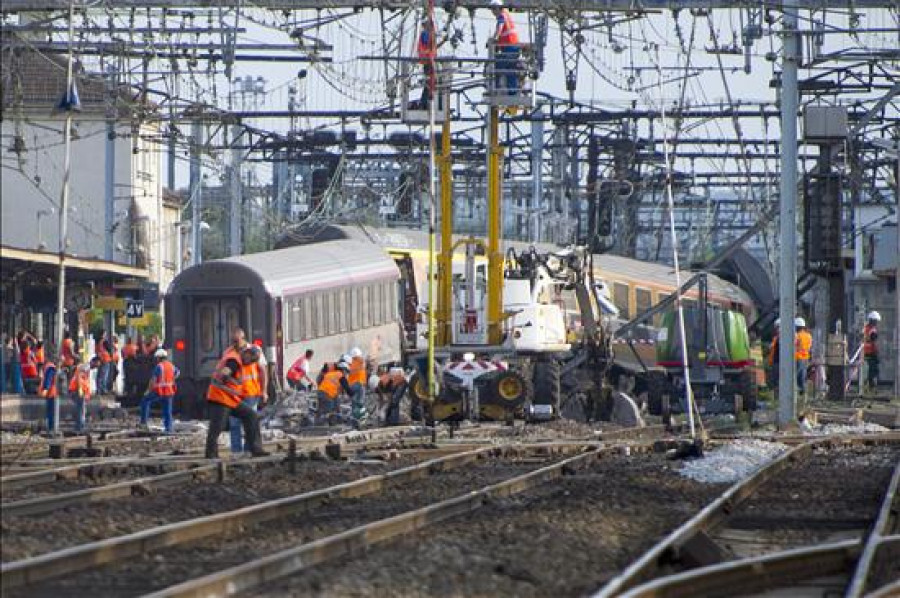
<point x="239" y="579"/>
<point x="756" y="574"/>
<point x="77" y="558"/>
<point x="48" y="476"/>
<point x="719" y="510"/>
<point x="890" y="509"/>
<point x="138" y="486"/>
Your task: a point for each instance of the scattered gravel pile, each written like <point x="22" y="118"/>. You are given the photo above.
<point x="860" y="428"/>
<point x="7" y="438"/>
<point x="732" y="462"/>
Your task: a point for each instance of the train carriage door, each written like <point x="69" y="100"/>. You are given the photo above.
<point x="214" y="319"/>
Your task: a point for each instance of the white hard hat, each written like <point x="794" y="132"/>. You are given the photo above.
<point x="496" y="3"/>
<point x="346" y="358"/>
<point x="343" y="365"/>
<point x="373" y="381"/>
<point x="799" y="323"/>
<point x="355" y="352"/>
<point x="161" y="353"/>
<point x="874" y="315"/>
<point x="777" y="322"/>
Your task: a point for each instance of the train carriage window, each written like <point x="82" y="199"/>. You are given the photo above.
<point x="232" y="318"/>
<point x="354" y="309"/>
<point x="307" y="318"/>
<point x="366" y="312"/>
<point x="206" y="315"/>
<point x="621" y="300"/>
<point x="657" y="319"/>
<point x="376" y="305"/>
<point x="295" y="333"/>
<point x="341" y="307"/>
<point x="643" y="300"/>
<point x="333" y="307"/>
<point x="328" y="314"/>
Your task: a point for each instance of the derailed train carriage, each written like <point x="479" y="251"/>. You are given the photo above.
<point x="331" y="297"/>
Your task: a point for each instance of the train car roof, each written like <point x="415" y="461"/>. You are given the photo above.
<point x="296" y="269"/>
<point x="613" y="266"/>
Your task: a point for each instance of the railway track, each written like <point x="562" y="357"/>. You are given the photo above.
<point x="336" y="508"/>
<point x="801" y="522"/>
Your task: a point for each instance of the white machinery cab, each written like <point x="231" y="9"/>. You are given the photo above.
<point x="539" y="322"/>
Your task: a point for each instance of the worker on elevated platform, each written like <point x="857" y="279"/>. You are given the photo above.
<point x="506" y="42"/>
<point x="426" y="51"/>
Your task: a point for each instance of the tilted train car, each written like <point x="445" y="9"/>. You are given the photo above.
<point x="328" y="297"/>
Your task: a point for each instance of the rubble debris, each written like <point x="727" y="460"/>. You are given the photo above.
<point x="732" y="462"/>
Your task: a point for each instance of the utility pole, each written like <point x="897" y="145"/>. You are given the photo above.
<point x="70" y="103"/>
<point x="196" y="192"/>
<point x="235" y="212"/>
<point x="787" y="274"/>
<point x="537" y="182"/>
<point x="110" y="178"/>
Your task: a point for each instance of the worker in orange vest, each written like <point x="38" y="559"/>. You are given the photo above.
<point x="506" y="57"/>
<point x="298" y="375"/>
<point x="104" y="355"/>
<point x="358" y="379"/>
<point x="67" y="358"/>
<point x="162" y="388"/>
<point x="870" y="349"/>
<point x="390" y="388"/>
<point x="329" y="391"/>
<point x="251" y="391"/>
<point x="48" y="391"/>
<point x="26" y="343"/>
<point x="802" y="352"/>
<point x="224" y="399"/>
<point x="426" y="52"/>
<point x="80" y="391"/>
<point x="39" y="357"/>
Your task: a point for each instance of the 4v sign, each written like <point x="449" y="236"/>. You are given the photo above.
<point x="134" y="309"/>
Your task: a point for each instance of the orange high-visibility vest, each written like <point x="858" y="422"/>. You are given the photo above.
<point x="68" y="352"/>
<point x="773" y="350"/>
<point x="39" y="355"/>
<point x="102" y="353"/>
<point x="506" y="29"/>
<point x="426" y="48"/>
<point x="115" y="354"/>
<point x="225" y="390"/>
<point x="802" y="345"/>
<point x="49" y="393"/>
<point x="250" y="385"/>
<point x="81" y="383"/>
<point x="129" y="351"/>
<point x="164" y="386"/>
<point x="357" y="371"/>
<point x="870" y="333"/>
<point x="26" y="359"/>
<point x="331" y="384"/>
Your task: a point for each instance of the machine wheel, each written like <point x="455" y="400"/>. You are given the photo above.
<point x="418" y="388"/>
<point x="657" y="386"/>
<point x="512" y="389"/>
<point x="547" y="384"/>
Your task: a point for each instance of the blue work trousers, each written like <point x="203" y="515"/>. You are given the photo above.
<point x="148" y="401"/>
<point x="237" y="431"/>
<point x="802" y="366"/>
<point x="103" y="378"/>
<point x="507" y="69"/>
<point x="79" y="412"/>
<point x="51" y="415"/>
<point x="17" y="385"/>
